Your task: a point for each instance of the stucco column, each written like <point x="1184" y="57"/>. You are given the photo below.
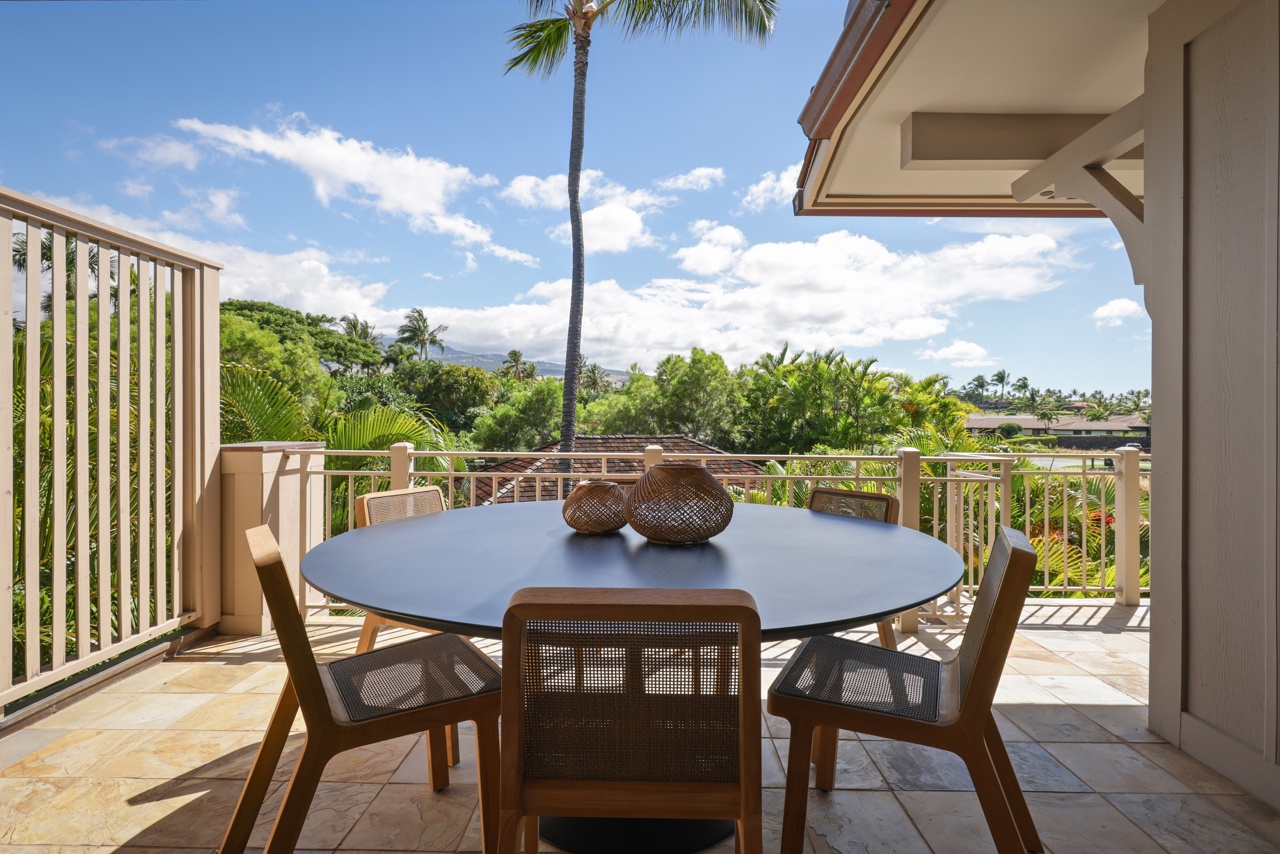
<point x="262" y="484"/>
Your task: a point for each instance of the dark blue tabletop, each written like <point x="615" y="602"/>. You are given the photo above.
<point x="810" y="573"/>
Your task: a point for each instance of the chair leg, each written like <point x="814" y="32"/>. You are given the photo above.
<point x="530" y="834"/>
<point x="1012" y="788"/>
<point x="489" y="776"/>
<point x="995" y="807"/>
<point x="437" y="759"/>
<point x="508" y="831"/>
<point x="368" y="633"/>
<point x="264" y="766"/>
<point x="749" y="837"/>
<point x="888" y="639"/>
<point x="455" y="744"/>
<point x="826" y="748"/>
<point x="297" y="798"/>
<point x="797" y="798"/>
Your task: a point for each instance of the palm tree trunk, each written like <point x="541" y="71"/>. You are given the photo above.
<point x="573" y="347"/>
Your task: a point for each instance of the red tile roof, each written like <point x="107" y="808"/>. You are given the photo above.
<point x="625" y="470"/>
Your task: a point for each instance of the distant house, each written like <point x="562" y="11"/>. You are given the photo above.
<point x="1067" y="425"/>
<point x="499" y="489"/>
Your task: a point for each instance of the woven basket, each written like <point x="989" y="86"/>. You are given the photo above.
<point x="678" y="504"/>
<point x="595" y="507"/>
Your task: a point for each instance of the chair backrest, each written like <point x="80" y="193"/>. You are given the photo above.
<point x="994" y="619"/>
<point x="290" y="630"/>
<point x="631" y="686"/>
<point x="854" y="502"/>
<point x="376" y="507"/>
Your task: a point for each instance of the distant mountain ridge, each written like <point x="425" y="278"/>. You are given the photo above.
<point x="494" y="361"/>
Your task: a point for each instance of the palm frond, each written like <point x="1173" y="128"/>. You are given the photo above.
<point x="746" y="20"/>
<point x="256" y="407"/>
<point x="541" y="46"/>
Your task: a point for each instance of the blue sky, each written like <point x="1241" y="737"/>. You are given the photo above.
<point x="371" y="156"/>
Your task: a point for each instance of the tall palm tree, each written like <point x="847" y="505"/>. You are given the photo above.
<point x="979" y="385"/>
<point x="352" y="325"/>
<point x="516" y="367"/>
<point x="418" y="333"/>
<point x="1000" y="378"/>
<point x="397" y="354"/>
<point x="593" y="379"/>
<point x="541" y="45"/>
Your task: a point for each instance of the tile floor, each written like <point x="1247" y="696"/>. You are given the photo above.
<point x="154" y="762"/>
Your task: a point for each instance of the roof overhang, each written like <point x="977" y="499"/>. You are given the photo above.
<point x="937" y="107"/>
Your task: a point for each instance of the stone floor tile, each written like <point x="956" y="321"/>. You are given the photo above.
<point x="1189" y="824"/>
<point x="1086" y="824"/>
<point x="410" y="818"/>
<point x="73" y="754"/>
<point x="206" y="678"/>
<point x="375" y="763"/>
<point x="1135" y="685"/>
<point x="116" y="811"/>
<point x="777" y="727"/>
<point x="88" y="711"/>
<point x="1054" y="722"/>
<point x="854" y="768"/>
<point x="915" y="768"/>
<point x="413" y="768"/>
<point x="166" y="754"/>
<point x="153" y="711"/>
<point x="1083" y="690"/>
<point x="1023" y="690"/>
<point x="951" y="822"/>
<point x="184" y="813"/>
<point x="1261" y="818"/>
<point x="1009" y="731"/>
<point x="334" y="811"/>
<point x="1115" y="768"/>
<point x="1116" y="640"/>
<point x="229" y="712"/>
<point x="21" y="798"/>
<point x="1037" y="771"/>
<point x="1042" y="665"/>
<point x="267" y="679"/>
<point x="1062" y="640"/>
<point x="772" y="772"/>
<point x="1200" y="777"/>
<point x="1126" y="722"/>
<point x="21" y="744"/>
<point x="843" y="822"/>
<point x="1097" y="664"/>
<point x="147" y="678"/>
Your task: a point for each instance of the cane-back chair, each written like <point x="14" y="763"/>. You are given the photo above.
<point x="406" y="688"/>
<point x="630" y="704"/>
<point x="838" y="684"/>
<point x="443" y="746"/>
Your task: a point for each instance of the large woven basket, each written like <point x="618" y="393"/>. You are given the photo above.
<point x="678" y="504"/>
<point x="595" y="507"/>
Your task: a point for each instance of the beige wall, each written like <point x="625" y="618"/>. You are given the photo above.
<point x="1213" y="157"/>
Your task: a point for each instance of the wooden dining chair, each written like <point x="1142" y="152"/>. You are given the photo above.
<point x="863" y="505"/>
<point x="444" y="749"/>
<point x="841" y="684"/>
<point x="630" y="703"/>
<point x="364" y="699"/>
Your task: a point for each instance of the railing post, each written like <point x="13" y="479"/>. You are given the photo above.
<point x="652" y="456"/>
<point x="1006" y="492"/>
<point x="257" y="486"/>
<point x="400" y="464"/>
<point x="909" y="516"/>
<point x="1128" y="517"/>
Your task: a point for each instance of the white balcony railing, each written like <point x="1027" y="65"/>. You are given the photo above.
<point x="108" y="442"/>
<point x="1086" y="513"/>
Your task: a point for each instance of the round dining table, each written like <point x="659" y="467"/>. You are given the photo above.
<point x="810" y="574"/>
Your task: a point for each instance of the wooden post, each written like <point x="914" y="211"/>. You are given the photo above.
<point x="1006" y="491"/>
<point x="652" y="456"/>
<point x="400" y="465"/>
<point x="1128" y="556"/>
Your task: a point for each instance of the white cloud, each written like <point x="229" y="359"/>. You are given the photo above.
<point x="218" y="207"/>
<point x="512" y="255"/>
<point x="394" y="182"/>
<point x="839" y="290"/>
<point x="303" y="279"/>
<point x="771" y="190"/>
<point x="699" y="179"/>
<point x="530" y="191"/>
<point x="1059" y="228"/>
<point x="432" y="276"/>
<point x="1116" y="312"/>
<point x="718" y="247"/>
<point x="469" y="264"/>
<point x="611" y="227"/>
<point x="160" y="152"/>
<point x="136" y="189"/>
<point x="961" y="354"/>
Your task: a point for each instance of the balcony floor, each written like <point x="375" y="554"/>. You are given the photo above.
<point x="155" y="761"/>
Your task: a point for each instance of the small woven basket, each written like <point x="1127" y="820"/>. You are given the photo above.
<point x="595" y="507"/>
<point x="678" y="504"/>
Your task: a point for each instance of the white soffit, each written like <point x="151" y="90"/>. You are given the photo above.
<point x="1012" y="58"/>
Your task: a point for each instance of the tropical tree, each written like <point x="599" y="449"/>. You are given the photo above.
<point x="516" y="367"/>
<point x="1000" y="378"/>
<point x="979" y="385"/>
<point x="1101" y="411"/>
<point x="397" y="354"/>
<point x="418" y="333"/>
<point x="542" y="44"/>
<point x="361" y="330"/>
<point x="593" y="379"/>
<point x="1021" y="385"/>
